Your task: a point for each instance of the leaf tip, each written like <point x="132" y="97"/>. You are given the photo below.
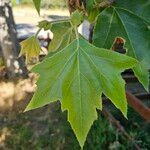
<point x="26" y="109"/>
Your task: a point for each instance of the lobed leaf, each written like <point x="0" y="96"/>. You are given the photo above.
<point x="46" y="25"/>
<point x="63" y="33"/>
<point x="138" y="7"/>
<point x="30" y="47"/>
<point x="77" y="75"/>
<point x="76" y="17"/>
<point x="118" y="22"/>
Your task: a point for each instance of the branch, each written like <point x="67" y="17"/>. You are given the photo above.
<point x="105" y="3"/>
<point x="138" y="106"/>
<point x="76" y="4"/>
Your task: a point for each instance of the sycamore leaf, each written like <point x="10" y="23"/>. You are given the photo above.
<point x="30" y="47"/>
<point x="118" y="22"/>
<point x="92" y="10"/>
<point x="63" y="33"/>
<point x="77" y="76"/>
<point x="139" y="7"/>
<point x="46" y="25"/>
<point x="76" y="17"/>
<point x="90" y="4"/>
<point x="37" y="4"/>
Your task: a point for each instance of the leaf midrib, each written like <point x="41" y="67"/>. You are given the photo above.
<point x="133" y="49"/>
<point x="111" y="19"/>
<point x="131" y="12"/>
<point x="58" y="76"/>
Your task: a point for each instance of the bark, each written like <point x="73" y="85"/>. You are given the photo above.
<point x="76" y="4"/>
<point x="9" y="43"/>
<point x="105" y="3"/>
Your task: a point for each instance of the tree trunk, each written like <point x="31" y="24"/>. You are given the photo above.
<point x="8" y="42"/>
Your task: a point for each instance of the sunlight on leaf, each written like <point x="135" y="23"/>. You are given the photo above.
<point x="77" y="76"/>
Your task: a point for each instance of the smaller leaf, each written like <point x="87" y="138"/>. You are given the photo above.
<point x="77" y="76"/>
<point x="77" y="18"/>
<point x="30" y="47"/>
<point x="37" y="4"/>
<point x="46" y="25"/>
<point x="119" y="22"/>
<point x="63" y="35"/>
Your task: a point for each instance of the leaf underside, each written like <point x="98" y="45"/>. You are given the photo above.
<point x="30" y="47"/>
<point x="77" y="76"/>
<point x="63" y="35"/>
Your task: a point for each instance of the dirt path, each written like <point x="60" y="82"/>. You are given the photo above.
<point x="29" y="15"/>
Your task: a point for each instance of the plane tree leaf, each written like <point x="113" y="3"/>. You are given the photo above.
<point x="30" y="48"/>
<point x="92" y="10"/>
<point x="44" y="24"/>
<point x="118" y="22"/>
<point x="139" y="7"/>
<point x="77" y="76"/>
<point x="63" y="33"/>
<point x="37" y="4"/>
<point x="76" y="17"/>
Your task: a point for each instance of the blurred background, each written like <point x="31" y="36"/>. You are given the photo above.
<point x="47" y="128"/>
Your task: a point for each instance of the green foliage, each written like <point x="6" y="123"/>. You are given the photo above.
<point x="92" y="10"/>
<point x="76" y="18"/>
<point x="77" y="73"/>
<point x="139" y="7"/>
<point x="118" y="22"/>
<point x="64" y="34"/>
<point x="69" y="71"/>
<point x="44" y="24"/>
<point x="37" y="4"/>
<point x="30" y="47"/>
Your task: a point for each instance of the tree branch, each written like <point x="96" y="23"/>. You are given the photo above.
<point x="138" y="106"/>
<point x="105" y="3"/>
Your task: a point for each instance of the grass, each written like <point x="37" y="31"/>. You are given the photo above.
<point x="36" y="131"/>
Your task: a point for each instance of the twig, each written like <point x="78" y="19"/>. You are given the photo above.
<point x="105" y="3"/>
<point x="138" y="106"/>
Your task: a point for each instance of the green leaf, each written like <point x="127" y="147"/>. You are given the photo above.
<point x="139" y="7"/>
<point x="90" y="4"/>
<point x="46" y="25"/>
<point x="37" y="4"/>
<point x="92" y="15"/>
<point x="118" y="22"/>
<point x="77" y="76"/>
<point x="76" y="17"/>
<point x="63" y="35"/>
<point x="30" y="47"/>
<point x="92" y="10"/>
